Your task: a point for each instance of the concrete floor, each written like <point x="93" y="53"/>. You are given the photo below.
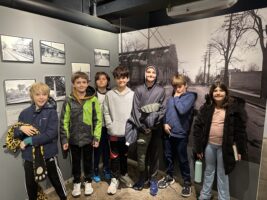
<point x="100" y="192"/>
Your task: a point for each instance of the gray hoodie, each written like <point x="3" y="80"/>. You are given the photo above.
<point x="117" y="109"/>
<point x="141" y="121"/>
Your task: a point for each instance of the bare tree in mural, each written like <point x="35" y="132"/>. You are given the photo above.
<point x="233" y="29"/>
<point x="256" y="25"/>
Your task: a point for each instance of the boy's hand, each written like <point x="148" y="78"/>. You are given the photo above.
<point x="167" y="128"/>
<point x="28" y="130"/>
<point x="22" y="145"/>
<point x="95" y="144"/>
<point x="65" y="146"/>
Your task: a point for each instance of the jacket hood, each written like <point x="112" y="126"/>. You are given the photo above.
<point x="157" y="73"/>
<point x="125" y="92"/>
<point x="90" y="91"/>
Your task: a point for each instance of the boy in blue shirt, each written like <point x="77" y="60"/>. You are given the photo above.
<point x="177" y="123"/>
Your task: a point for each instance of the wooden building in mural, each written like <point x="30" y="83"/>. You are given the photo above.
<point x="165" y="58"/>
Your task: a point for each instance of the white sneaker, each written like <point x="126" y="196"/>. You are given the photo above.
<point x="114" y="184"/>
<point x="88" y="190"/>
<point x="76" y="192"/>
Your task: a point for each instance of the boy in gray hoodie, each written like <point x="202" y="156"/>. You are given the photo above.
<point x="117" y="110"/>
<point x="147" y="115"/>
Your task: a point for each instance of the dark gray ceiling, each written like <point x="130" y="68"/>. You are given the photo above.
<point x="127" y="14"/>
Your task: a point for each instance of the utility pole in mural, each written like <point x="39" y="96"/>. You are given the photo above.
<point x="233" y="30"/>
<point x="255" y="24"/>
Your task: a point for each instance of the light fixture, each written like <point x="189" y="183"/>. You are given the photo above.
<point x="198" y="7"/>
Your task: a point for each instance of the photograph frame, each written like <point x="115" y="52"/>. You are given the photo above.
<point x="102" y="57"/>
<point x="82" y="67"/>
<point x="60" y="83"/>
<point x="17" y="90"/>
<point x="52" y="52"/>
<point x="16" y="49"/>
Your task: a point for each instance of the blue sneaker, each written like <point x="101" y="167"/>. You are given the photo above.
<point x="153" y="187"/>
<point x="96" y="178"/>
<point x="107" y="174"/>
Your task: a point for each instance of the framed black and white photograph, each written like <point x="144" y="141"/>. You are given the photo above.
<point x="52" y="52"/>
<point x="81" y="67"/>
<point x="16" y="49"/>
<point x="57" y="86"/>
<point x="17" y="91"/>
<point x="102" y="57"/>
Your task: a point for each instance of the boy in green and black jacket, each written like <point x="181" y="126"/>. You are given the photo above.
<point x="80" y="129"/>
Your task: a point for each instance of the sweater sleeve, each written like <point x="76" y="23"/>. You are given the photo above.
<point x="106" y="111"/>
<point x="51" y="131"/>
<point x="184" y="103"/>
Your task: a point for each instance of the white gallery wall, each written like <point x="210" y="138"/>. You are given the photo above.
<point x="80" y="42"/>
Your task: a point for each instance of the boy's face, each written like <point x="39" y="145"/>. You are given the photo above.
<point x="80" y="85"/>
<point x="180" y="89"/>
<point x="122" y="82"/>
<point x="40" y="98"/>
<point x="102" y="82"/>
<point x="150" y="75"/>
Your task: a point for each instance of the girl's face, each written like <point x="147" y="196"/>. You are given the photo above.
<point x="102" y="82"/>
<point x="80" y="85"/>
<point x="218" y="95"/>
<point x="150" y="75"/>
<point x="40" y="98"/>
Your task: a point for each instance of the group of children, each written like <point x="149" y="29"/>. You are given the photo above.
<point x="93" y="122"/>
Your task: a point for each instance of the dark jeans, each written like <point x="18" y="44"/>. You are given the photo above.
<point x="54" y="175"/>
<point x="118" y="156"/>
<point x="77" y="153"/>
<point x="148" y="152"/>
<point x="104" y="150"/>
<point x="177" y="146"/>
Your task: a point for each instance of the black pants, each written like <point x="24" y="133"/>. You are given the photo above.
<point x="148" y="153"/>
<point x="54" y="175"/>
<point x="77" y="153"/>
<point x="118" y="156"/>
<point x="177" y="148"/>
<point x="103" y="150"/>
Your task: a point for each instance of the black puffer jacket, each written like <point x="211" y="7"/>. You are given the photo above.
<point x="234" y="131"/>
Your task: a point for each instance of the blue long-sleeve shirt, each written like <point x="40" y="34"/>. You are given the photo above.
<point x="179" y="114"/>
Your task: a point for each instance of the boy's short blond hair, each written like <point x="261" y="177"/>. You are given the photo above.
<point x="178" y="80"/>
<point x="39" y="87"/>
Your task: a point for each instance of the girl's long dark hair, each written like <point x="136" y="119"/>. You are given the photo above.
<point x="221" y="85"/>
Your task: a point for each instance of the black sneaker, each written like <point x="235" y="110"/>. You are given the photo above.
<point x="186" y="191"/>
<point x="165" y="182"/>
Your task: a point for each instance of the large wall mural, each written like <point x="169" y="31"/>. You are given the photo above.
<point x="230" y="48"/>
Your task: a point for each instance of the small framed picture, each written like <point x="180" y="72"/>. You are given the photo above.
<point x="16" y="49"/>
<point x="52" y="52"/>
<point x="81" y="67"/>
<point x="102" y="57"/>
<point x="17" y="91"/>
<point x="57" y="87"/>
